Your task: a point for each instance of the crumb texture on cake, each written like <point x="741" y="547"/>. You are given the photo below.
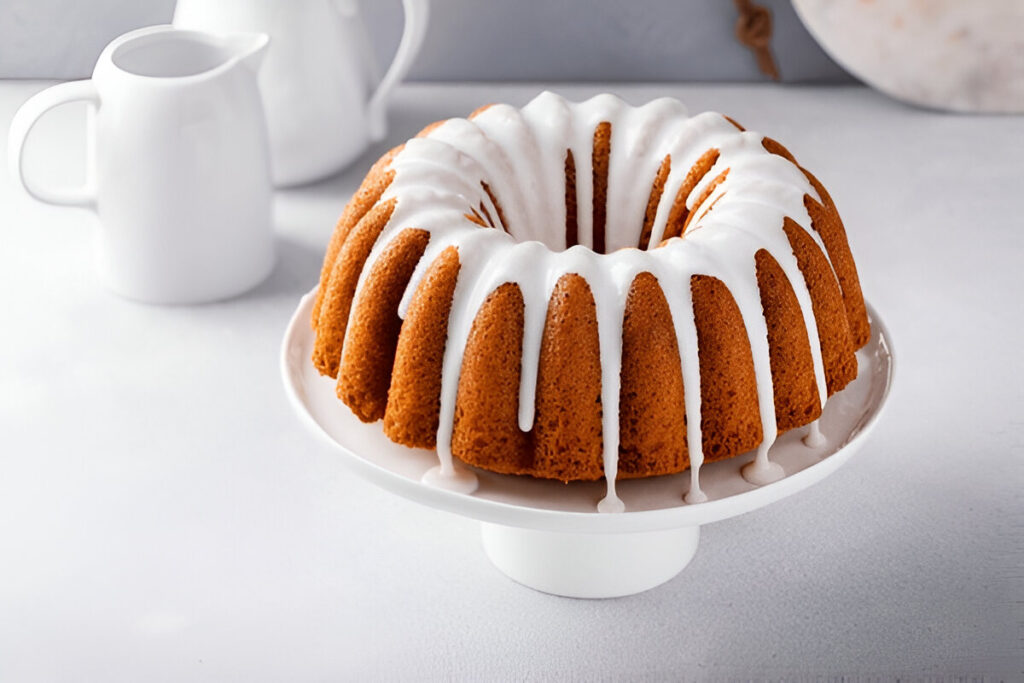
<point x="587" y="290"/>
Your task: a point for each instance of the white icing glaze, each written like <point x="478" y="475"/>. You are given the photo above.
<point x="521" y="155"/>
<point x="458" y="478"/>
<point x="814" y="438"/>
<point x="762" y="470"/>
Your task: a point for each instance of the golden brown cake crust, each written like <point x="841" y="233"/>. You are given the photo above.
<point x="679" y="213"/>
<point x="730" y="418"/>
<point x="369" y="352"/>
<point x="391" y="369"/>
<point x="567" y="425"/>
<point x="414" y="397"/>
<point x="602" y="150"/>
<point x="486" y="429"/>
<point x="572" y="231"/>
<point x="719" y="179"/>
<point x="497" y="204"/>
<point x="369" y="192"/>
<point x="657" y="189"/>
<point x="340" y="288"/>
<point x="652" y="416"/>
<point x="797" y="400"/>
<point x="836" y="341"/>
<point x="825" y="220"/>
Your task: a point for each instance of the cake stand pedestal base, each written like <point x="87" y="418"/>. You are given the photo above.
<point x="597" y="565"/>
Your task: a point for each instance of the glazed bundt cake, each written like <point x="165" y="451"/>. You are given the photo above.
<point x="586" y="290"/>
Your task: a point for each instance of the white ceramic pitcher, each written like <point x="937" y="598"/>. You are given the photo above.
<point x="316" y="80"/>
<point x="180" y="169"/>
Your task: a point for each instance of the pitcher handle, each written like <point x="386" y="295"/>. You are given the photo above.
<point x="25" y="119"/>
<point x="417" y="13"/>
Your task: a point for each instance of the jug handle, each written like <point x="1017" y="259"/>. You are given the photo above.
<point x="417" y="13"/>
<point x="25" y="119"/>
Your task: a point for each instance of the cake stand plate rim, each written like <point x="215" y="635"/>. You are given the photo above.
<point x="292" y="359"/>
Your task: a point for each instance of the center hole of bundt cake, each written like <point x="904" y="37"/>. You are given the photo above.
<point x="632" y="231"/>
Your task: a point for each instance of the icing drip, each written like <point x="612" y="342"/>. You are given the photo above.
<point x="458" y="479"/>
<point x="521" y="157"/>
<point x="814" y="438"/>
<point x="762" y="471"/>
<point x="695" y="496"/>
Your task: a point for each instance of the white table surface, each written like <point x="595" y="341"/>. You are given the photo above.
<point x="164" y="516"/>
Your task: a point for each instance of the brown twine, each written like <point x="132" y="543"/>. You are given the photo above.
<point x="754" y="29"/>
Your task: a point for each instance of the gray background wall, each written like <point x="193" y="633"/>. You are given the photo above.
<point x="479" y="40"/>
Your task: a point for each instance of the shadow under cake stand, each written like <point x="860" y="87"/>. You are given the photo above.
<point x="548" y="535"/>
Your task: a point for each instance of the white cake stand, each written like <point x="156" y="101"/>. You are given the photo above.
<point x="549" y="535"/>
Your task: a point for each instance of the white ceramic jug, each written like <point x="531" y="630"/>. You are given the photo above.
<point x="316" y="80"/>
<point x="180" y="174"/>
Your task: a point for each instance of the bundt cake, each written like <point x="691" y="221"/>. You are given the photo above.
<point x="586" y="290"/>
